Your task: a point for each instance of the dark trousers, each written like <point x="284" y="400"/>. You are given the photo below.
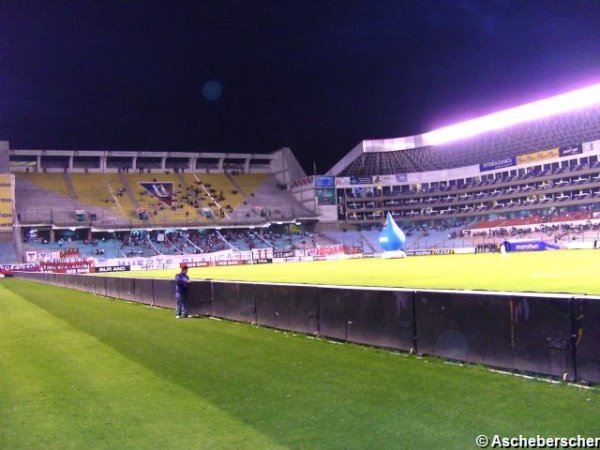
<point x="181" y="308"/>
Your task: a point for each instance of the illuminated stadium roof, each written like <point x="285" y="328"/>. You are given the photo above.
<point x="562" y="120"/>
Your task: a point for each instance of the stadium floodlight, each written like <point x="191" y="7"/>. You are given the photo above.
<point x="569" y="101"/>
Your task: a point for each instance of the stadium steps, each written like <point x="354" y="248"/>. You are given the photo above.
<point x="94" y="196"/>
<point x="237" y="186"/>
<point x="183" y="181"/>
<point x="128" y="190"/>
<point x="187" y="187"/>
<point x="69" y="184"/>
<point x="122" y="204"/>
<point x="277" y="203"/>
<point x="364" y="239"/>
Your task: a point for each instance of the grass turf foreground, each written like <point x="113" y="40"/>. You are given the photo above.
<point x="562" y="271"/>
<point x="81" y="371"/>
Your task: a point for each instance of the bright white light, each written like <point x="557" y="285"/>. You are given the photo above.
<point x="559" y="104"/>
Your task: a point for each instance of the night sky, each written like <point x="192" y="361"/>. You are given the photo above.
<point x="254" y="76"/>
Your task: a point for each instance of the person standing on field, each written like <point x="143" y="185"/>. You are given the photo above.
<point x="182" y="282"/>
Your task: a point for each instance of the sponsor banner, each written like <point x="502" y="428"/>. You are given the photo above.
<point x="106" y="269"/>
<point x="361" y="179"/>
<point x="352" y="250"/>
<point x="325" y="196"/>
<point x="391" y="179"/>
<point x="342" y="181"/>
<point x="262" y="261"/>
<point x="497" y="164"/>
<point x="69" y="253"/>
<point x="527" y="246"/>
<point x="430" y="251"/>
<point x="324" y="181"/>
<point x="284" y="254"/>
<point x="538" y="156"/>
<point x="67" y="266"/>
<point x="262" y="253"/>
<point x="329" y="250"/>
<point x="231" y="262"/>
<point x="31" y="256"/>
<point x="198" y="264"/>
<point x="7" y="200"/>
<point x="570" y="150"/>
<point x="303" y="182"/>
<point x="293" y="259"/>
<point x="21" y="267"/>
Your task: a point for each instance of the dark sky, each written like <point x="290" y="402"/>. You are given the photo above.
<point x="253" y="76"/>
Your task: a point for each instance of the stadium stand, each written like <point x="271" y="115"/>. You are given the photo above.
<point x="539" y="177"/>
<point x="556" y="131"/>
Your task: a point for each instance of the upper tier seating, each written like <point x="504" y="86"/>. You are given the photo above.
<point x="561" y="130"/>
<point x="119" y="199"/>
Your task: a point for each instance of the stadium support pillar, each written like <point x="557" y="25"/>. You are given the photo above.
<point x="134" y="164"/>
<point x="71" y="162"/>
<point x="163" y="163"/>
<point x="52" y="235"/>
<point x="4" y="160"/>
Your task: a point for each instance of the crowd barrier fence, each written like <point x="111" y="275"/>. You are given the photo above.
<point x="547" y="334"/>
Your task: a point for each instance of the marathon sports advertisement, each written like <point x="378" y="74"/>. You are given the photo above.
<point x="428" y="252"/>
<point x="527" y="246"/>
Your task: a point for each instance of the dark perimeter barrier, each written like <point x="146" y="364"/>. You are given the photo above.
<point x="586" y="317"/>
<point x="287" y="307"/>
<point x="473" y="328"/>
<point x="554" y="335"/>
<point x="542" y="335"/>
<point x="234" y="301"/>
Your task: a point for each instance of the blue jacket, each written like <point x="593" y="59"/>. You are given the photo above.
<point x="181" y="285"/>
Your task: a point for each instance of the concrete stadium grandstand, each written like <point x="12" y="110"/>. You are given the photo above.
<point x="109" y="204"/>
<point x="531" y="172"/>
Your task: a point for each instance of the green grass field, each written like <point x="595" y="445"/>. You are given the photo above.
<point x="574" y="271"/>
<point x="80" y="371"/>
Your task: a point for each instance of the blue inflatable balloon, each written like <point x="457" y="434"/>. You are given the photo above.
<point x="392" y="238"/>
